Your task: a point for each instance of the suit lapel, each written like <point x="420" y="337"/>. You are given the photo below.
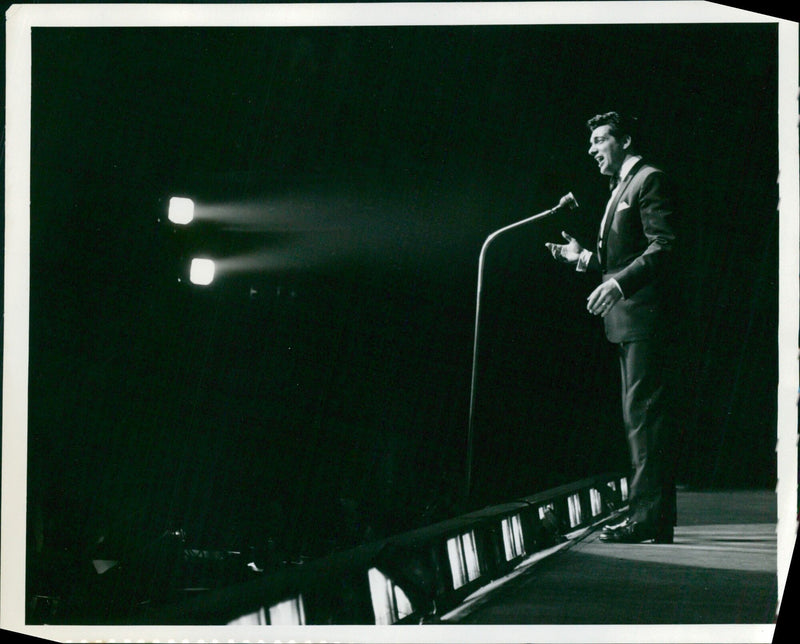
<point x="612" y="206"/>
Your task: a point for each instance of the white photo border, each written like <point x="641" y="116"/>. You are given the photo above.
<point x="22" y="18"/>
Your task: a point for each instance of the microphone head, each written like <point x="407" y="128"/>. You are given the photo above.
<point x="568" y="201"/>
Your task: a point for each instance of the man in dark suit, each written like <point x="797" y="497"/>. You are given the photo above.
<point x="633" y="255"/>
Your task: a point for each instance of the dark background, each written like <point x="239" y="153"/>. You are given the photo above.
<point x="321" y="397"/>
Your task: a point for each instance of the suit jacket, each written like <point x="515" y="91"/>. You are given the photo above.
<point x="637" y="249"/>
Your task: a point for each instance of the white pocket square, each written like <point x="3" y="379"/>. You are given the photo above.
<point x="622" y="206"/>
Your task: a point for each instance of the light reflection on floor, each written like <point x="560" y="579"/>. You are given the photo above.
<point x="747" y="547"/>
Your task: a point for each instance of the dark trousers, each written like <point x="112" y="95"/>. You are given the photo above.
<point x="647" y="417"/>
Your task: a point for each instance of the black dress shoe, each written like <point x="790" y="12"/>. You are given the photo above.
<point x="616" y="526"/>
<point x="632" y="532"/>
<point x="664" y="534"/>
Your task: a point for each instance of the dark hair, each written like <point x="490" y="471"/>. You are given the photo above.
<point x="621" y="126"/>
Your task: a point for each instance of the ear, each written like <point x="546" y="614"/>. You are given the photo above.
<point x="626" y="143"/>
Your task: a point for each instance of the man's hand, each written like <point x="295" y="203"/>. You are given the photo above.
<point x="569" y="252"/>
<point x="603" y="298"/>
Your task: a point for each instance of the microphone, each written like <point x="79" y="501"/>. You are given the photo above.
<point x="569" y="202"/>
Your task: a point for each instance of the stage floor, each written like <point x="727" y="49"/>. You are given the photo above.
<point x="721" y="569"/>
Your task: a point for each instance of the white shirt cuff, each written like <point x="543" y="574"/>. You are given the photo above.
<point x="619" y="288"/>
<point x="583" y="261"/>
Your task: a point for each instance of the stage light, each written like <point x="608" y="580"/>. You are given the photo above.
<point x="290" y="612"/>
<point x="596" y="501"/>
<point x="389" y="603"/>
<point x="202" y="272"/>
<point x="545" y="510"/>
<point x="513" y="541"/>
<point x="181" y="210"/>
<point x="574" y="507"/>
<point x="463" y="555"/>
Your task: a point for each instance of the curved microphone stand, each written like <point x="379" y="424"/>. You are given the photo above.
<point x="567" y="201"/>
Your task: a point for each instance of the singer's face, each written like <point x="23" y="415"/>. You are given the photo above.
<point x="607" y="150"/>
